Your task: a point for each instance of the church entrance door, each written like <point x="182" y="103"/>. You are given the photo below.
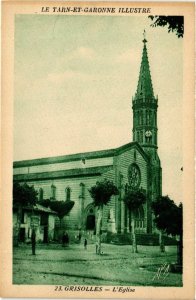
<point x="90" y="220"/>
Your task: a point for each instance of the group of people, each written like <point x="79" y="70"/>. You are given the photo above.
<point x="65" y="240"/>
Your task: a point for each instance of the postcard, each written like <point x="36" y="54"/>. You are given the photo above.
<point x="97" y="150"/>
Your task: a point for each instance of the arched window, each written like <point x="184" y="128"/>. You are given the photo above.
<point x="135" y="155"/>
<point x="126" y="188"/>
<point x="68" y="194"/>
<point x="138" y="115"/>
<point x="41" y="194"/>
<point x="141" y="136"/>
<point x="82" y="186"/>
<point x="141" y="117"/>
<point x="152" y="139"/>
<point x="150" y="117"/>
<point x="138" y="136"/>
<point x="53" y="192"/>
<point x="147" y="117"/>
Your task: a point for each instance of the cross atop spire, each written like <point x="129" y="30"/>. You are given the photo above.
<point x="144" y="35"/>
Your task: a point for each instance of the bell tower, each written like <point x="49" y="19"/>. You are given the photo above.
<point x="144" y="105"/>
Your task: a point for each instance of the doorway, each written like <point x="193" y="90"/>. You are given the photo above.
<point x="90" y="224"/>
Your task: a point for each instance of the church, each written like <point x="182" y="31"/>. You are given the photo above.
<point x="136" y="164"/>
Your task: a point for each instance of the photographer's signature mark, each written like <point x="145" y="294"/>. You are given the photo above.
<point x="162" y="272"/>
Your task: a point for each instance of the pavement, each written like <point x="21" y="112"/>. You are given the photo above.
<point x="73" y="265"/>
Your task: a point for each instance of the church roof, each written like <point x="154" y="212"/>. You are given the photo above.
<point x="80" y="156"/>
<point x="72" y="173"/>
<point x="144" y="87"/>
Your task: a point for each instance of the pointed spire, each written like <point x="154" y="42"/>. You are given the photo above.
<point x="144" y="87"/>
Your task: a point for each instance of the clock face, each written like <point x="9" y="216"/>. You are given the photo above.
<point x="134" y="176"/>
<point x="148" y="133"/>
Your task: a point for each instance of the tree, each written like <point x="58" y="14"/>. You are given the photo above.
<point x="23" y="195"/>
<point x="62" y="208"/>
<point x="168" y="218"/>
<point x="101" y="194"/>
<point x="174" y="23"/>
<point x="134" y="198"/>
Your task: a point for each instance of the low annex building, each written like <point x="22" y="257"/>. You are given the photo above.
<point x="39" y="217"/>
<point x="136" y="164"/>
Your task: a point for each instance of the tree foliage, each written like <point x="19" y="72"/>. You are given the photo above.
<point x="24" y="195"/>
<point x="174" y="23"/>
<point x="134" y="199"/>
<point x="102" y="191"/>
<point x="62" y="208"/>
<point x="168" y="215"/>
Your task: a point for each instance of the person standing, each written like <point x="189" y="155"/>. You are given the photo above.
<point x="96" y="247"/>
<point x="33" y="241"/>
<point x="79" y="237"/>
<point x="85" y="244"/>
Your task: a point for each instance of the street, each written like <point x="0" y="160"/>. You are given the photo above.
<point x="73" y="265"/>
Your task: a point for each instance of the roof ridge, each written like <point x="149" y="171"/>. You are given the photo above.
<point x="67" y="157"/>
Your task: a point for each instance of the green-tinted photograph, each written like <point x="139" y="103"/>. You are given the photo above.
<point x="97" y="171"/>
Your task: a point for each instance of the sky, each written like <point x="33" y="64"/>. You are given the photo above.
<point x="75" y="77"/>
